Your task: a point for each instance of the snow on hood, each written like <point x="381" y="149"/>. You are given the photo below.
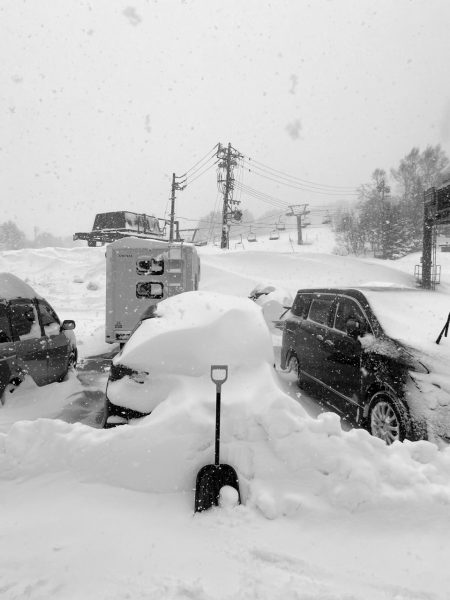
<point x="415" y="318"/>
<point x="13" y="287"/>
<point x="412" y="316"/>
<point x="196" y="330"/>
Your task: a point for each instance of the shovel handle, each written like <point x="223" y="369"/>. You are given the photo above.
<point x="219" y="374"/>
<point x="217" y="446"/>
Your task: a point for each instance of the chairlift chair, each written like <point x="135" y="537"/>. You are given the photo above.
<point x="327" y="219"/>
<point x="274" y="235"/>
<point x="251" y="237"/>
<point x="280" y="226"/>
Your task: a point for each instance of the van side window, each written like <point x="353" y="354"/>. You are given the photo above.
<point x="5" y="329"/>
<point x="149" y="289"/>
<point x="49" y="318"/>
<point x="347" y="309"/>
<point x="301" y="305"/>
<point x="320" y="309"/>
<point x="24" y="319"/>
<point x="147" y="265"/>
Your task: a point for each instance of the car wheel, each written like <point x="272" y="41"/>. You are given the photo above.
<point x="388" y="419"/>
<point x="73" y="357"/>
<point x="107" y="419"/>
<point x="71" y="365"/>
<point x="9" y="389"/>
<point x="293" y="367"/>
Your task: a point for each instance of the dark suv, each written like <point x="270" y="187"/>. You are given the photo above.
<point x="334" y="343"/>
<point x="33" y="341"/>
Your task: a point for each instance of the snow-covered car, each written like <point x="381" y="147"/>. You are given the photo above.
<point x="179" y="339"/>
<point x="370" y="353"/>
<point x="33" y="341"/>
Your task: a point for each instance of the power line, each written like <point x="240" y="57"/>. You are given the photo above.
<point x="301" y="187"/>
<point x="211" y="152"/>
<point x="262" y="166"/>
<point x="189" y="181"/>
<point x="249" y="191"/>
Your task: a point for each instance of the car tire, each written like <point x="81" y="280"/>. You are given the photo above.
<point x="388" y="418"/>
<point x="107" y="412"/>
<point x="71" y="365"/>
<point x="293" y="366"/>
<point x="73" y="358"/>
<point x="9" y="389"/>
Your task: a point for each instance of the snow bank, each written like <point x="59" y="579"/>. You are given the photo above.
<point x="287" y="461"/>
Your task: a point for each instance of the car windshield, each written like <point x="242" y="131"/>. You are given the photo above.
<point x="149" y="313"/>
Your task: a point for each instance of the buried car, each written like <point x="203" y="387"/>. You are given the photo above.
<point x="370" y="353"/>
<point x="33" y="341"/>
<point x="178" y="340"/>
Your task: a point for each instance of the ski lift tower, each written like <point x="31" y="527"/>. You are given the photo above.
<point x="299" y="211"/>
<point x="436" y="212"/>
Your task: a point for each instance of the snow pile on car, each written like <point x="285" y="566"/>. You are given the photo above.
<point x="196" y="330"/>
<point x="13" y="287"/>
<point x="286" y="461"/>
<point x="191" y="332"/>
<point x="273" y="302"/>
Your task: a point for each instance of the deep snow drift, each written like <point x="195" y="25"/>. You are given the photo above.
<point x="108" y="513"/>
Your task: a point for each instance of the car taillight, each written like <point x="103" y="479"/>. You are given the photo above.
<point x="119" y="371"/>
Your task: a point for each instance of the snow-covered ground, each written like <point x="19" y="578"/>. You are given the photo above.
<point x="327" y="514"/>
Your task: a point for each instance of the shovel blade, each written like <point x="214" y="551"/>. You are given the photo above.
<point x="210" y="480"/>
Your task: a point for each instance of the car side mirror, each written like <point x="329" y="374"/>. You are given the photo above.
<point x="354" y="327"/>
<point x="67" y="324"/>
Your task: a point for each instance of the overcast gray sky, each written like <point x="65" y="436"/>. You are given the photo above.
<point x="101" y="101"/>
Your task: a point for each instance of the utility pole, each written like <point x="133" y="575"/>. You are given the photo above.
<point x="299" y="211"/>
<point x="228" y="159"/>
<point x="384" y="191"/>
<point x="176" y="185"/>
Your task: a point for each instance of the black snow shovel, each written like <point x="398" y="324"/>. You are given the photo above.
<point x="212" y="478"/>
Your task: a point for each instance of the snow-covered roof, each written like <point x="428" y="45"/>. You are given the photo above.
<point x="13" y="287"/>
<point x="136" y="242"/>
<point x="196" y="330"/>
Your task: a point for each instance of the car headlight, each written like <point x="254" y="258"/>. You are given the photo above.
<point x="119" y="371"/>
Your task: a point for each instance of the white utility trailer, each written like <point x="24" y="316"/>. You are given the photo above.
<point x="141" y="273"/>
